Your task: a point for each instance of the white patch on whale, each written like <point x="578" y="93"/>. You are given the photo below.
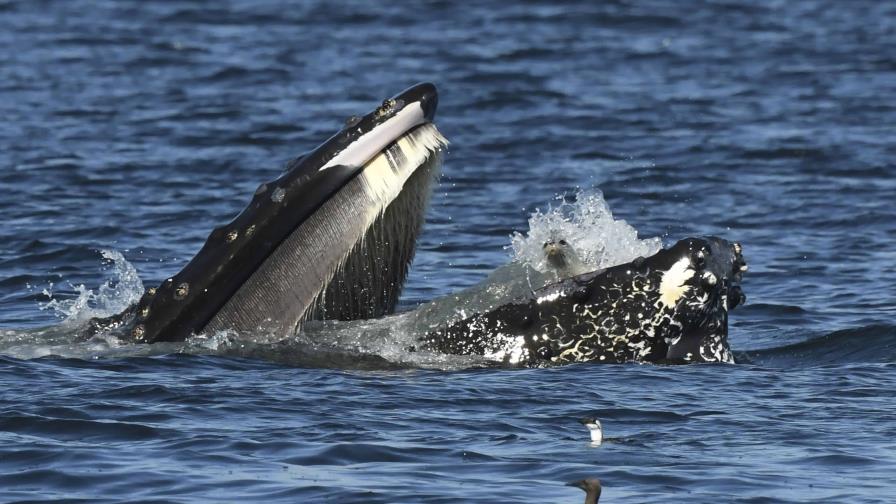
<point x="673" y="286"/>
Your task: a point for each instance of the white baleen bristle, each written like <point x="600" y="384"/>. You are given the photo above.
<point x="384" y="176"/>
<point x="367" y="280"/>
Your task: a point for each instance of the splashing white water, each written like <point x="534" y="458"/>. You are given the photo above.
<point x="123" y="289"/>
<point x="587" y="224"/>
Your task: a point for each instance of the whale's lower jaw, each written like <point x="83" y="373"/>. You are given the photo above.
<point x="368" y="281"/>
<point x="348" y="260"/>
<point x="671" y="307"/>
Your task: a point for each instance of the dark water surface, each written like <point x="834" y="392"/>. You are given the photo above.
<point x="137" y="127"/>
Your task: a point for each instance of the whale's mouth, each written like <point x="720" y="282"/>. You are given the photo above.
<point x="331" y="237"/>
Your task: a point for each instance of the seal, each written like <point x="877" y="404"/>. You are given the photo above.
<point x="671" y="307"/>
<point x="563" y="259"/>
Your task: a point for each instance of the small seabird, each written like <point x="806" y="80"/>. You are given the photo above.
<point x="597" y="432"/>
<point x="592" y="489"/>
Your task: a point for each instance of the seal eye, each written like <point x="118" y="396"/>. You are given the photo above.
<point x="562" y="242"/>
<point x="546" y="244"/>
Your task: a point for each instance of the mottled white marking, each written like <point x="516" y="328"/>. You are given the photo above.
<point x="716" y="351"/>
<point x="513" y="351"/>
<point x="550" y="297"/>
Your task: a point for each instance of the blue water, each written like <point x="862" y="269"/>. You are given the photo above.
<point x="137" y="127"/>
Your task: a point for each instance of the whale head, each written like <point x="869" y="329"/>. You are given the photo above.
<point x="701" y="283"/>
<point x="332" y="237"/>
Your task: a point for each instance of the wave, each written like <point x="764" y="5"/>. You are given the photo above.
<point x="871" y="343"/>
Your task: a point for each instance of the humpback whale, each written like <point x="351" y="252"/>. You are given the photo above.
<point x="332" y="237"/>
<point x="671" y="307"/>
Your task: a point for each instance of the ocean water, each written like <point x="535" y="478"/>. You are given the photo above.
<point x="129" y="130"/>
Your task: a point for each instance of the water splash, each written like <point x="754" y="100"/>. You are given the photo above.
<point x="587" y="224"/>
<point x="123" y="289"/>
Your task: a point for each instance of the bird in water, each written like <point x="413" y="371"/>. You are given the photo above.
<point x="594" y="427"/>
<point x="563" y="259"/>
<point x="592" y="489"/>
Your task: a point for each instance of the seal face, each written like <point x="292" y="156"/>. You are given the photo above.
<point x="563" y="258"/>
<point x="660" y="309"/>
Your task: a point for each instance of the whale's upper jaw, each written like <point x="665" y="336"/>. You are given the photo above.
<point x="362" y="138"/>
<point x="185" y="303"/>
